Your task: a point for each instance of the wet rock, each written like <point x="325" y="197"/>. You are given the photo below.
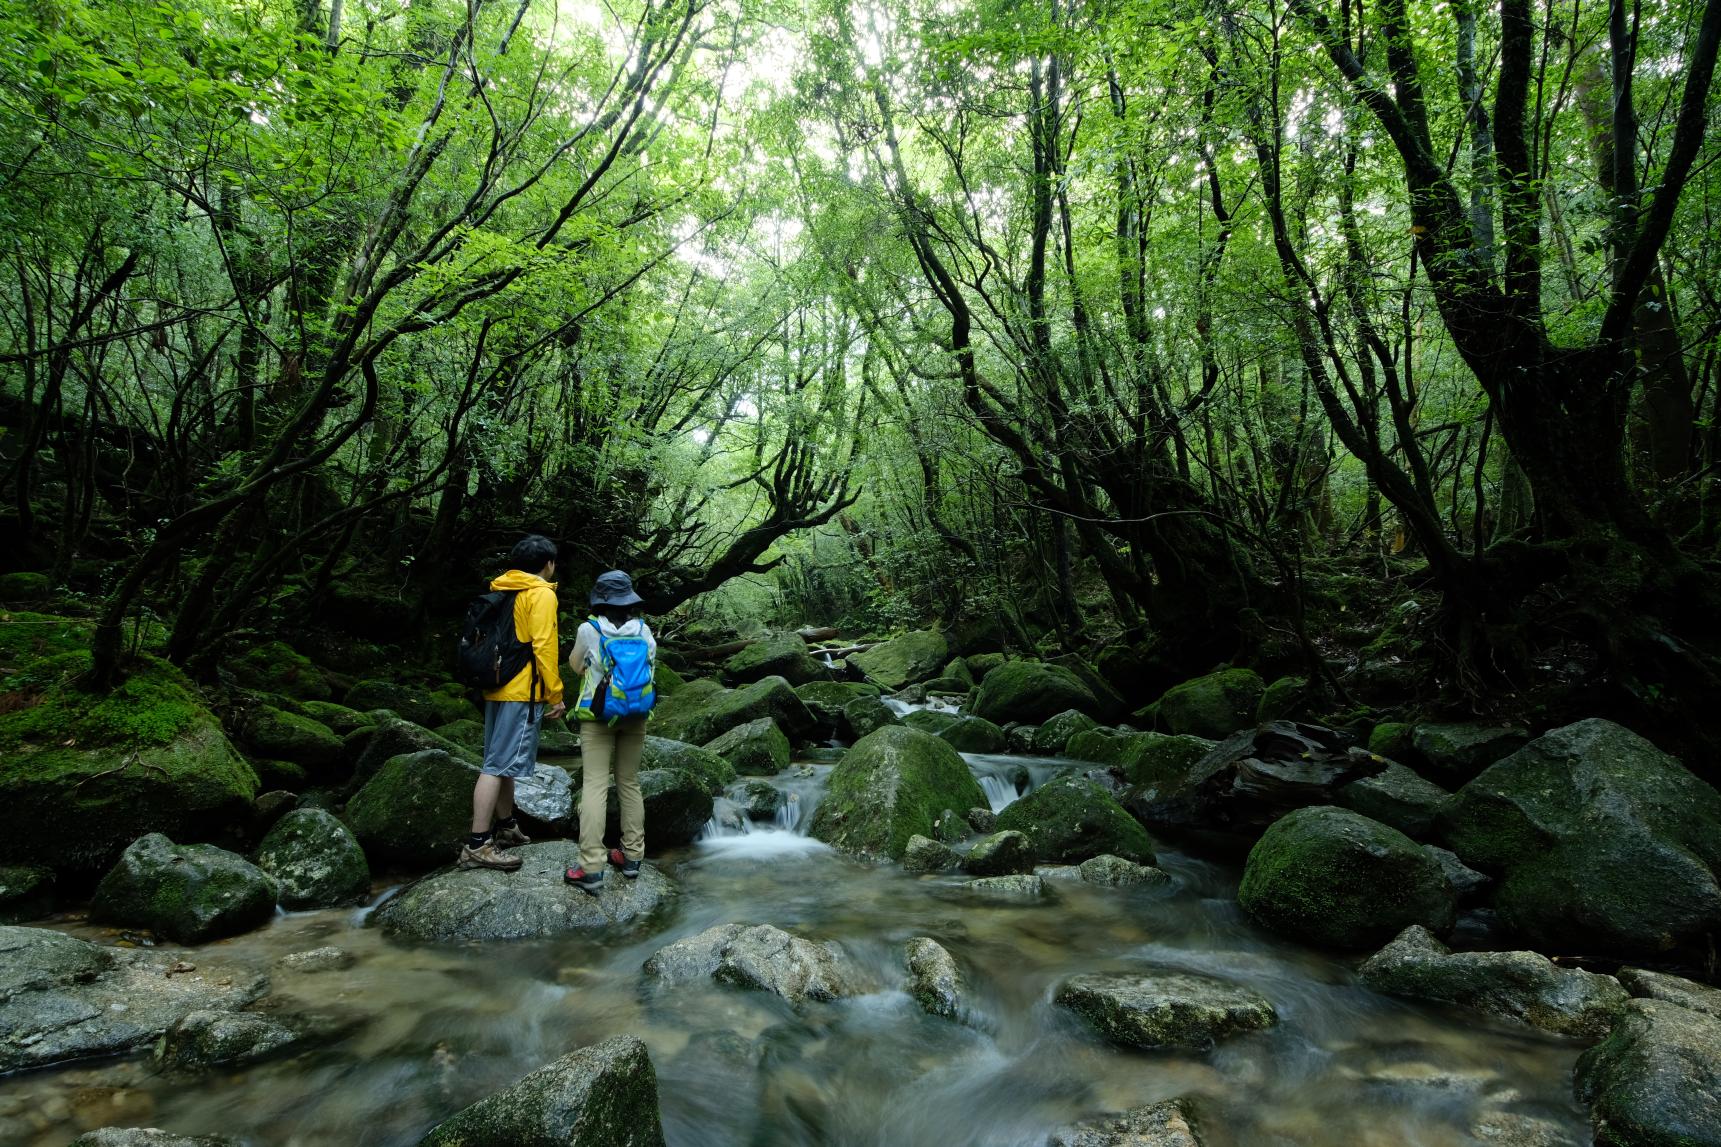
<point x="1521" y="986"/>
<point x="1019" y="739"/>
<point x="1601" y="842"/>
<point x="394" y="737"/>
<point x="415" y="809"/>
<point x="1397" y="797"/>
<point x="26" y="891"/>
<point x="1116" y="872"/>
<point x="147" y="1137"/>
<point x="1000" y="854"/>
<point x="867" y="715"/>
<point x="315" y="859"/>
<point x="1458" y="752"/>
<point x="422" y="705"/>
<point x="892" y="785"/>
<point x="934" y="981"/>
<point x="949" y="827"/>
<point x="1024" y="886"/>
<point x="190" y="893"/>
<point x="325" y="959"/>
<point x="1332" y="877"/>
<point x="1069" y="819"/>
<point x="713" y="771"/>
<point x="532" y="903"/>
<point x="904" y="660"/>
<point x="1065" y="873"/>
<point x="62" y="998"/>
<point x="1656" y="1080"/>
<point x="974" y="735"/>
<point x="1159" y="1009"/>
<point x="600" y="1096"/>
<point x="1513" y="1129"/>
<point x="700" y="716"/>
<point x="1032" y="692"/>
<point x="923" y="854"/>
<point x="1214" y="706"/>
<point x="1671" y="989"/>
<point x="760" y="800"/>
<point x="779" y="653"/>
<point x="1168" y="1124"/>
<point x="206" y="1039"/>
<point x="1050" y="738"/>
<point x="1466" y="882"/>
<point x="755" y="749"/>
<point x="981" y="820"/>
<point x="762" y="958"/>
<point x="547" y="796"/>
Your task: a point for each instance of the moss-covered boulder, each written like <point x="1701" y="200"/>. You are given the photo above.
<point x="892" y="785"/>
<point x="956" y="669"/>
<point x="206" y="1039"/>
<point x="904" y="660"/>
<point x="973" y="735"/>
<point x="1069" y="819"/>
<point x="1648" y="985"/>
<point x="677" y="807"/>
<point x="999" y="854"/>
<point x="932" y="721"/>
<point x="339" y="719"/>
<point x="277" y="668"/>
<point x="422" y="705"/>
<point x="1655" y="1081"/>
<point x="600" y="1096"/>
<point x="1143" y="758"/>
<point x="867" y="715"/>
<point x="468" y="733"/>
<point x="1214" y="706"/>
<point x="1457" y="752"/>
<point x="1601" y="841"/>
<point x="26" y="892"/>
<point x="1335" y="878"/>
<point x="1032" y="692"/>
<point x="1287" y="698"/>
<point x="1052" y="736"/>
<point x="188" y="893"/>
<point x="755" y="749"/>
<point x="1392" y="739"/>
<point x="1112" y="704"/>
<point x="713" y="771"/>
<point x="825" y="700"/>
<point x="780" y="653"/>
<point x="700" y="716"/>
<point x="415" y="809"/>
<point x="280" y="735"/>
<point x="1399" y="797"/>
<point x="25" y="586"/>
<point x="315" y="859"/>
<point x="393" y="737"/>
<point x="924" y="854"/>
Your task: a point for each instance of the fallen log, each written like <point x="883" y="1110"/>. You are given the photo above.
<point x="818" y="632"/>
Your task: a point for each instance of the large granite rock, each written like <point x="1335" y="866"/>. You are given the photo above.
<point x="1069" y="819"/>
<point x="700" y="716"/>
<point x="189" y="893"/>
<point x="923" y="854"/>
<point x="1397" y="796"/>
<point x="761" y="958"/>
<point x="1332" y="877"/>
<point x="1656" y="1080"/>
<point x="1671" y="989"/>
<point x="1143" y="758"/>
<point x="315" y="859"/>
<point x="547" y="796"/>
<point x="416" y="809"/>
<point x="1214" y="706"/>
<point x="1168" y="1124"/>
<point x="1521" y="986"/>
<point x="714" y="772"/>
<point x="867" y="715"/>
<point x="904" y="660"/>
<point x="280" y="735"/>
<point x="999" y="854"/>
<point x="1601" y="841"/>
<point x="205" y="1039"/>
<point x="1032" y="693"/>
<point x="532" y="903"/>
<point x="1163" y="1008"/>
<point x="1457" y="752"/>
<point x="1052" y="736"/>
<point x="973" y="735"/>
<point x="780" y="653"/>
<point x="892" y="785"/>
<point x="62" y="998"/>
<point x="148" y="1137"/>
<point x="600" y="1096"/>
<point x="1107" y="871"/>
<point x="934" y="980"/>
<point x="756" y="749"/>
<point x="394" y="737"/>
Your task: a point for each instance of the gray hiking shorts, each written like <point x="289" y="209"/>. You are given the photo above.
<point x="511" y="737"/>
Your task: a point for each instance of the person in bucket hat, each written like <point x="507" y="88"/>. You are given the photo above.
<point x="615" y="655"/>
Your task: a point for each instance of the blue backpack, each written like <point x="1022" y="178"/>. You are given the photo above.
<point x="625" y="689"/>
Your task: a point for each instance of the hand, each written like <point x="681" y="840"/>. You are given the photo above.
<point x="555" y="711"/>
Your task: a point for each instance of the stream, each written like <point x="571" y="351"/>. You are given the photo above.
<point x="429" y="1030"/>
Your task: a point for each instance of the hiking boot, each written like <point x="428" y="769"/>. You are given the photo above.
<point x="510" y="837"/>
<point x="486" y="855"/>
<point x="629" y="868"/>
<point x="591" y="883"/>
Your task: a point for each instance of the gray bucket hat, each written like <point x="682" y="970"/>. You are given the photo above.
<point x="614" y="588"/>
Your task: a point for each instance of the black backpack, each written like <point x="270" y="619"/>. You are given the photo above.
<point x="490" y="655"/>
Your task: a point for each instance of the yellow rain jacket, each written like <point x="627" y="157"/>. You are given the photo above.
<point x="534" y="621"/>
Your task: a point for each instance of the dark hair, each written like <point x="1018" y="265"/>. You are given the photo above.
<point x="616" y="614"/>
<point x="532" y="553"/>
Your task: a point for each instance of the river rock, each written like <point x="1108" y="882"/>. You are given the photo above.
<point x="276" y="667"/>
<point x="903" y="660"/>
<point x="1515" y="1129"/>
<point x="547" y="796"/>
<point x="933" y="721"/>
<point x="974" y="735"/>
<point x="1032" y="692"/>
<point x="1397" y="797"/>
<point x="756" y="749"/>
<point x="1213" y="706"/>
<point x="1655" y="1081"/>
<point x="62" y="998"/>
<point x="422" y="705"/>
<point x="1601" y="841"/>
<point x="923" y="854"/>
<point x="532" y="903"/>
<point x="325" y="959"/>
<point x="1167" y="1124"/>
<point x="1108" y="871"/>
<point x="1165" y="1008"/>
<point x="700" y="716"/>
<point x="762" y="958"/>
<point x="1069" y="819"/>
<point x="416" y="809"/>
<point x="1143" y="758"/>
<point x="981" y="820"/>
<point x="26" y="891"/>
<point x="1521" y="986"/>
<point x="1051" y="737"/>
<point x="148" y="1137"/>
<point x="867" y="715"/>
<point x="779" y="653"/>
<point x="205" y="1039"/>
<point x="759" y="800"/>
<point x="1671" y="989"/>
<point x="315" y="860"/>
<point x="1021" y="886"/>
<point x="1467" y="883"/>
<point x="278" y="734"/>
<point x="677" y="806"/>
<point x="1457" y="752"/>
<point x="1332" y="877"/>
<point x="1000" y="854"/>
<point x="189" y="893"/>
<point x="600" y="1096"/>
<point x="1019" y="739"/>
<point x="713" y="771"/>
<point x="395" y="737"/>
<point x="892" y="785"/>
<point x="934" y="980"/>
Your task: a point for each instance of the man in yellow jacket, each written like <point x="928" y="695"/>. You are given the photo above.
<point x="514" y="714"/>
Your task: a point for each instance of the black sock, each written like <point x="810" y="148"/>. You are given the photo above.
<point x="477" y="840"/>
<point x="503" y="822"/>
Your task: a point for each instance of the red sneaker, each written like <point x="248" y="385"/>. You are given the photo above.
<point x="590" y="883"/>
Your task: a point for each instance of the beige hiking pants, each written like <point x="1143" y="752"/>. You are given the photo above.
<point x="603" y="749"/>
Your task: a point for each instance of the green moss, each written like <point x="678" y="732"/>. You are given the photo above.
<point x="974" y="735"/>
<point x="1031" y="692"/>
<point x="1215" y="706"/>
<point x="1144" y="758"/>
<point x="274" y="732"/>
<point x="25" y="586"/>
<point x="666" y="681"/>
<point x="1391" y="739"/>
<point x="1070" y="819"/>
<point x="933" y="721"/>
<point x="278" y="668"/>
<point x="152" y="707"/>
<point x="339" y="718"/>
<point x="890" y="786"/>
<point x="1285" y="699"/>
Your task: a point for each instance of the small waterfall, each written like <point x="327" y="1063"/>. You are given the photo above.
<point x="727" y="820"/>
<point x="1000" y="793"/>
<point x="788" y="817"/>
